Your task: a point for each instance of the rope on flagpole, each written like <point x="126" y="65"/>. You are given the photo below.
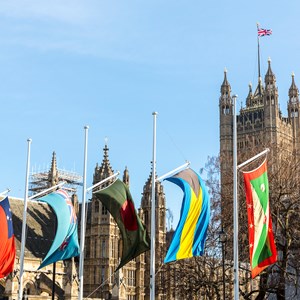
<point x="101" y="285"/>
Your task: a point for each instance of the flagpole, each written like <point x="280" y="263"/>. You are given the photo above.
<point x="253" y="158"/>
<point x="46" y="191"/>
<point x="152" y="259"/>
<point x="258" y="50"/>
<point x="184" y="166"/>
<point x="5" y="192"/>
<point x="103" y="181"/>
<point x="235" y="207"/>
<point x="23" y="238"/>
<point x="82" y="229"/>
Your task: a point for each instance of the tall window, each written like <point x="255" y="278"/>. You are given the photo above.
<point x="102" y="274"/>
<point x="104" y="210"/>
<point x="103" y="249"/>
<point x="95" y="249"/>
<point x="96" y="206"/>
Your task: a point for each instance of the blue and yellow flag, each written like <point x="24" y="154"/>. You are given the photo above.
<point x="65" y="244"/>
<point x="190" y="234"/>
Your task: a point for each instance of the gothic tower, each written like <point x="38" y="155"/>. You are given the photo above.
<point x="260" y="125"/>
<point x="293" y="114"/>
<point x="102" y="239"/>
<point x="104" y="247"/>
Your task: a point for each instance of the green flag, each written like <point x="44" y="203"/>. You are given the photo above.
<point x="261" y="240"/>
<point x="118" y="201"/>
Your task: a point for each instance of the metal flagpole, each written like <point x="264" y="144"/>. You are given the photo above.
<point x="47" y="190"/>
<point x="253" y="158"/>
<point x="152" y="260"/>
<point x="103" y="181"/>
<point x="257" y="24"/>
<point x="82" y="231"/>
<point x="235" y="207"/>
<point x="184" y="166"/>
<point x="5" y="192"/>
<point x="23" y="238"/>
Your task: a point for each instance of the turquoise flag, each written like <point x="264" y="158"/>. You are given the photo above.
<point x="65" y="244"/>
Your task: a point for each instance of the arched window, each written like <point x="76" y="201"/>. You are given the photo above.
<point x="96" y="206"/>
<point x="104" y="210"/>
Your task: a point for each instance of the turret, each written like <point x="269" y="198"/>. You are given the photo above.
<point x="105" y="170"/>
<point x="126" y="177"/>
<point x="293" y="112"/>
<point x="53" y="173"/>
<point x="271" y="107"/>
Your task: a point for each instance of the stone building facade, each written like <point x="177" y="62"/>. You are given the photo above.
<point x="260" y="125"/>
<point x="103" y="245"/>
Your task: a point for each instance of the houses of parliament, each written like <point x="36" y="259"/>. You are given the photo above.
<point x="259" y="124"/>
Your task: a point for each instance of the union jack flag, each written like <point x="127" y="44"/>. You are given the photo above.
<point x="263" y="32"/>
<point x="66" y="196"/>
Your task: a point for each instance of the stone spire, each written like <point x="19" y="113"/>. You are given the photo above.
<point x="269" y="77"/>
<point x="250" y="96"/>
<point x="105" y="170"/>
<point x="225" y="87"/>
<point x="126" y="177"/>
<point x="293" y="91"/>
<point x="53" y="173"/>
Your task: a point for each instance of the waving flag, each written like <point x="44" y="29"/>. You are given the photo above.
<point x="65" y="244"/>
<point x="190" y="234"/>
<point x="261" y="240"/>
<point x="263" y="32"/>
<point x="7" y="240"/>
<point x="118" y="201"/>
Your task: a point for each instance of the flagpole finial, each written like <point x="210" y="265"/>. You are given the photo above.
<point x="155" y="113"/>
<point x="86" y="127"/>
<point x="257" y="24"/>
<point x="29" y="140"/>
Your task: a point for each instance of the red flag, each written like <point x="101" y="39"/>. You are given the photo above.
<point x="7" y="240"/>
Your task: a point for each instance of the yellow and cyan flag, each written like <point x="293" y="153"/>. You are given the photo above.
<point x="190" y="234"/>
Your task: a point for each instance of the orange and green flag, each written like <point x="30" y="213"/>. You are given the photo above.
<point x="118" y="201"/>
<point x="261" y="240"/>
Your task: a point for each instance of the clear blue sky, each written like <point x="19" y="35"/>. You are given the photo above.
<point x="110" y="64"/>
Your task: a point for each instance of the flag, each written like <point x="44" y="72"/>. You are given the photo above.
<point x="7" y="239"/>
<point x="263" y="32"/>
<point x="118" y="201"/>
<point x="65" y="244"/>
<point x="190" y="234"/>
<point x="261" y="240"/>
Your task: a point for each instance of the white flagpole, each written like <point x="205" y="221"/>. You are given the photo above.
<point x="184" y="166"/>
<point x="103" y="181"/>
<point x="82" y="231"/>
<point x="46" y="191"/>
<point x="5" y="192"/>
<point x="235" y="207"/>
<point x="23" y="238"/>
<point x="253" y="158"/>
<point x="152" y="259"/>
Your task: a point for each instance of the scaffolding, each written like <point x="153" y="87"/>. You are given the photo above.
<point x="39" y="181"/>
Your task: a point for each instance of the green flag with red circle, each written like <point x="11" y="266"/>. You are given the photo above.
<point x="118" y="201"/>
